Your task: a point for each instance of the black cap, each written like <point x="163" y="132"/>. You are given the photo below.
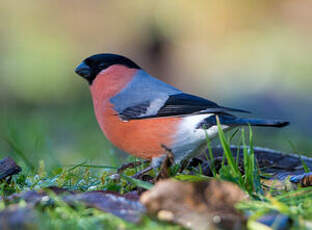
<point x="91" y="66"/>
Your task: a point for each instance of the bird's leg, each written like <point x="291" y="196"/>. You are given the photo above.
<point x="141" y="173"/>
<point x="165" y="165"/>
<point x="183" y="165"/>
<point x="134" y="164"/>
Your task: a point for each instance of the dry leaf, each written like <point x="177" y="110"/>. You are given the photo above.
<point x="199" y="205"/>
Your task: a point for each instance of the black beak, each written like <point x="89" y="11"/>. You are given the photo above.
<point x="83" y="70"/>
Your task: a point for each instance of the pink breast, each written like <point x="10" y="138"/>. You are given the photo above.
<point x="142" y="138"/>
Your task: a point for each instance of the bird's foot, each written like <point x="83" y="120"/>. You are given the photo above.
<point x="164" y="171"/>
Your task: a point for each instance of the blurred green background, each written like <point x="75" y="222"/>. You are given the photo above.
<point x="254" y="55"/>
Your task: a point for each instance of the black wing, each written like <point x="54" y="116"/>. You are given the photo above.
<point x="175" y="105"/>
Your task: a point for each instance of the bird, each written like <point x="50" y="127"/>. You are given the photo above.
<point x="141" y="114"/>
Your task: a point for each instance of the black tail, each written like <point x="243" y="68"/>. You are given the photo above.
<point x="227" y="119"/>
<point x="255" y="122"/>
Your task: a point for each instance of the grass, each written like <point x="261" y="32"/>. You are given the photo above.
<point x="295" y="204"/>
<point x="80" y="177"/>
<point x="26" y="140"/>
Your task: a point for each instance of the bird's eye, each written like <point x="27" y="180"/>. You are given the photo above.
<point x="102" y="66"/>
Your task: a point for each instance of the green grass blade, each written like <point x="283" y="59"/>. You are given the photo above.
<point x="228" y="153"/>
<point x="251" y="161"/>
<point x="238" y="150"/>
<point x="305" y="166"/>
<point x="253" y="167"/>
<point x="138" y="183"/>
<point x="294" y="149"/>
<point x="85" y="165"/>
<point x="234" y="134"/>
<point x="98" y="166"/>
<point x="245" y="156"/>
<point x="19" y="153"/>
<point x="212" y="160"/>
<point x="76" y="166"/>
<point x="192" y="178"/>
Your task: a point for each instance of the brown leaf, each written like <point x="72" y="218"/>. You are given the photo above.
<point x="199" y="205"/>
<point x="126" y="207"/>
<point x="31" y="197"/>
<point x="15" y="218"/>
<point x="8" y="167"/>
<point x="304" y="179"/>
<point x="34" y="197"/>
<point x="280" y="165"/>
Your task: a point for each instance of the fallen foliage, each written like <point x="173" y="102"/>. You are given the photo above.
<point x="8" y="168"/>
<point x="126" y="207"/>
<point x="194" y="199"/>
<point x="199" y="205"/>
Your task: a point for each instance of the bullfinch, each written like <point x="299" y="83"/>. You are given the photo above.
<point x="140" y="114"/>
